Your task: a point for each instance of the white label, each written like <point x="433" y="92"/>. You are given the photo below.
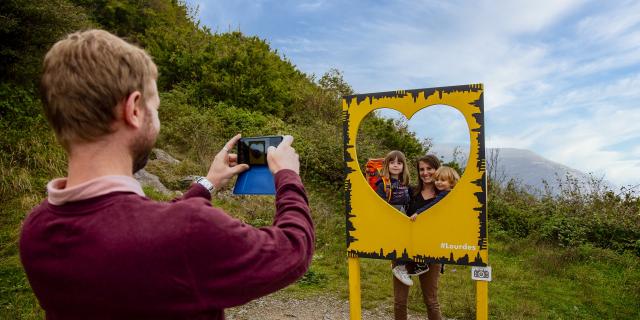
<point x="481" y="273"/>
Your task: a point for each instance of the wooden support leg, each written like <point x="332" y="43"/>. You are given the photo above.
<point x="482" y="300"/>
<point x="355" y="309"/>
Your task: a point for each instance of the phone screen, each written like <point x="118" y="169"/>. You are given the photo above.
<point x="253" y="150"/>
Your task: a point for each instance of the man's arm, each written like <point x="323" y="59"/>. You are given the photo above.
<point x="232" y="263"/>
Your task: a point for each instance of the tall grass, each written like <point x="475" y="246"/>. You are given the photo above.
<point x="580" y="213"/>
<point x="27" y="162"/>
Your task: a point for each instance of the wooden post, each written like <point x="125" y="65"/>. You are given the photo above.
<point x="482" y="300"/>
<point x="355" y="309"/>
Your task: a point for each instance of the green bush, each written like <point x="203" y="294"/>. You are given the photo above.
<point x="27" y="29"/>
<point x="216" y="85"/>
<point x="320" y="149"/>
<point x="391" y="135"/>
<point x="580" y="214"/>
<point x="563" y="230"/>
<point x="508" y="218"/>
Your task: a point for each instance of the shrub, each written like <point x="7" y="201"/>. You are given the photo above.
<point x="580" y="214"/>
<point x="508" y="218"/>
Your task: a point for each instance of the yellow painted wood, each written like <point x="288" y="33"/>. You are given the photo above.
<point x="449" y="229"/>
<point x="355" y="308"/>
<point x="482" y="300"/>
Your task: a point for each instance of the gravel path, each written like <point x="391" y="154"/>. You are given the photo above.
<point x="318" y="307"/>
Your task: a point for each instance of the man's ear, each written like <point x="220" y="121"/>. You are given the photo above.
<point x="132" y="110"/>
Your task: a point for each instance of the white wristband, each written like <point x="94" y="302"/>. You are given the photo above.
<point x="206" y="183"/>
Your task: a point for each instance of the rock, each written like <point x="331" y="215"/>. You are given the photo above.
<point x="164" y="157"/>
<point x="147" y="179"/>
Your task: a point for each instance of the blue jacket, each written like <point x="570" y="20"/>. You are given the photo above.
<point x="438" y="197"/>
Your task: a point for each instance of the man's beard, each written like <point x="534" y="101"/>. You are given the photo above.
<point x="141" y="147"/>
<point x="140" y="159"/>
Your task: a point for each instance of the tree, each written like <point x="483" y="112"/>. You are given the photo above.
<point x="333" y="82"/>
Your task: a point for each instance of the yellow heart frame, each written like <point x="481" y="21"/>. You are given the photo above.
<point x="454" y="231"/>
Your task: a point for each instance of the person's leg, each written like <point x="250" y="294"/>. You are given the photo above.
<point x="429" y="286"/>
<point x="400" y="296"/>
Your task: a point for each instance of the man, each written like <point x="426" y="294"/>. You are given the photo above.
<point x="98" y="248"/>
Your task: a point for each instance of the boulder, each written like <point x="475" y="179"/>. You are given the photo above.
<point x="164" y="156"/>
<point x="147" y="179"/>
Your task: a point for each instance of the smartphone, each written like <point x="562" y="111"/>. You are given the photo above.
<point x="258" y="179"/>
<point x="253" y="150"/>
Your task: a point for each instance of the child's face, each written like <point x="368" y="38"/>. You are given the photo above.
<point x="395" y="167"/>
<point x="443" y="184"/>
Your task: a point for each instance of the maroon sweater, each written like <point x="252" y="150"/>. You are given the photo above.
<point x="123" y="256"/>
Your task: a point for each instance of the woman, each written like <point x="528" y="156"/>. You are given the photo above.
<point x="422" y="195"/>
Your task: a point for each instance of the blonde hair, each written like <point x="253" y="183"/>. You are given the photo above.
<point x="84" y="78"/>
<point x="395" y="154"/>
<point x="447" y="173"/>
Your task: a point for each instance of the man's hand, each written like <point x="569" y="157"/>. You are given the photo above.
<point x="283" y="157"/>
<point x="413" y="217"/>
<point x="225" y="165"/>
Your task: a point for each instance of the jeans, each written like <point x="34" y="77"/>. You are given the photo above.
<point x="429" y="286"/>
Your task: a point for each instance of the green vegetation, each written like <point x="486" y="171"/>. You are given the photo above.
<point x="579" y="215"/>
<point x="554" y="257"/>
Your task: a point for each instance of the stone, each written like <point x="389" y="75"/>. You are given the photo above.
<point x="147" y="179"/>
<point x="164" y="156"/>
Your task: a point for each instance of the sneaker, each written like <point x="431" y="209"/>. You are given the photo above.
<point x="420" y="269"/>
<point x="400" y="272"/>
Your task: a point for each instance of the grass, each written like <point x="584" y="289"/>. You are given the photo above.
<point x="16" y="298"/>
<point x="531" y="279"/>
<point x="538" y="281"/>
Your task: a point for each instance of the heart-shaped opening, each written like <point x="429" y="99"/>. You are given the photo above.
<point x="409" y="185"/>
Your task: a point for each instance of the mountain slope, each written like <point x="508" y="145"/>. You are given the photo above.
<point x="521" y="165"/>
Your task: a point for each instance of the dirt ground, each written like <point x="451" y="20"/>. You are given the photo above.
<point x="318" y="307"/>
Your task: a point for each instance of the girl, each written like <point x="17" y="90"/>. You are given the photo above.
<point x="394" y="188"/>
<point x="394" y="185"/>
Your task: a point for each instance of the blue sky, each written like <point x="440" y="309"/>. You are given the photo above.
<point x="562" y="78"/>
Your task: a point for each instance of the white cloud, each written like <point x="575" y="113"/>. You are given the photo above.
<point x="300" y="45"/>
<point x="621" y="94"/>
<point x="478" y="44"/>
<point x="613" y="25"/>
<point x="624" y="173"/>
<point x="310" y="5"/>
<point x="561" y="77"/>
<point x="587" y="144"/>
<point x="603" y="63"/>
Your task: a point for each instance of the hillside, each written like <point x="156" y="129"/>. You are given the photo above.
<point x="534" y="170"/>
<point x="524" y="166"/>
<point x="584" y="246"/>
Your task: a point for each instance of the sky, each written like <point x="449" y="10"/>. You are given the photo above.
<point x="561" y="77"/>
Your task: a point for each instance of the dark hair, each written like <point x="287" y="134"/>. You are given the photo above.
<point x="431" y="160"/>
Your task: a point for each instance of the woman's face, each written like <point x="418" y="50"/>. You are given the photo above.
<point x="426" y="172"/>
